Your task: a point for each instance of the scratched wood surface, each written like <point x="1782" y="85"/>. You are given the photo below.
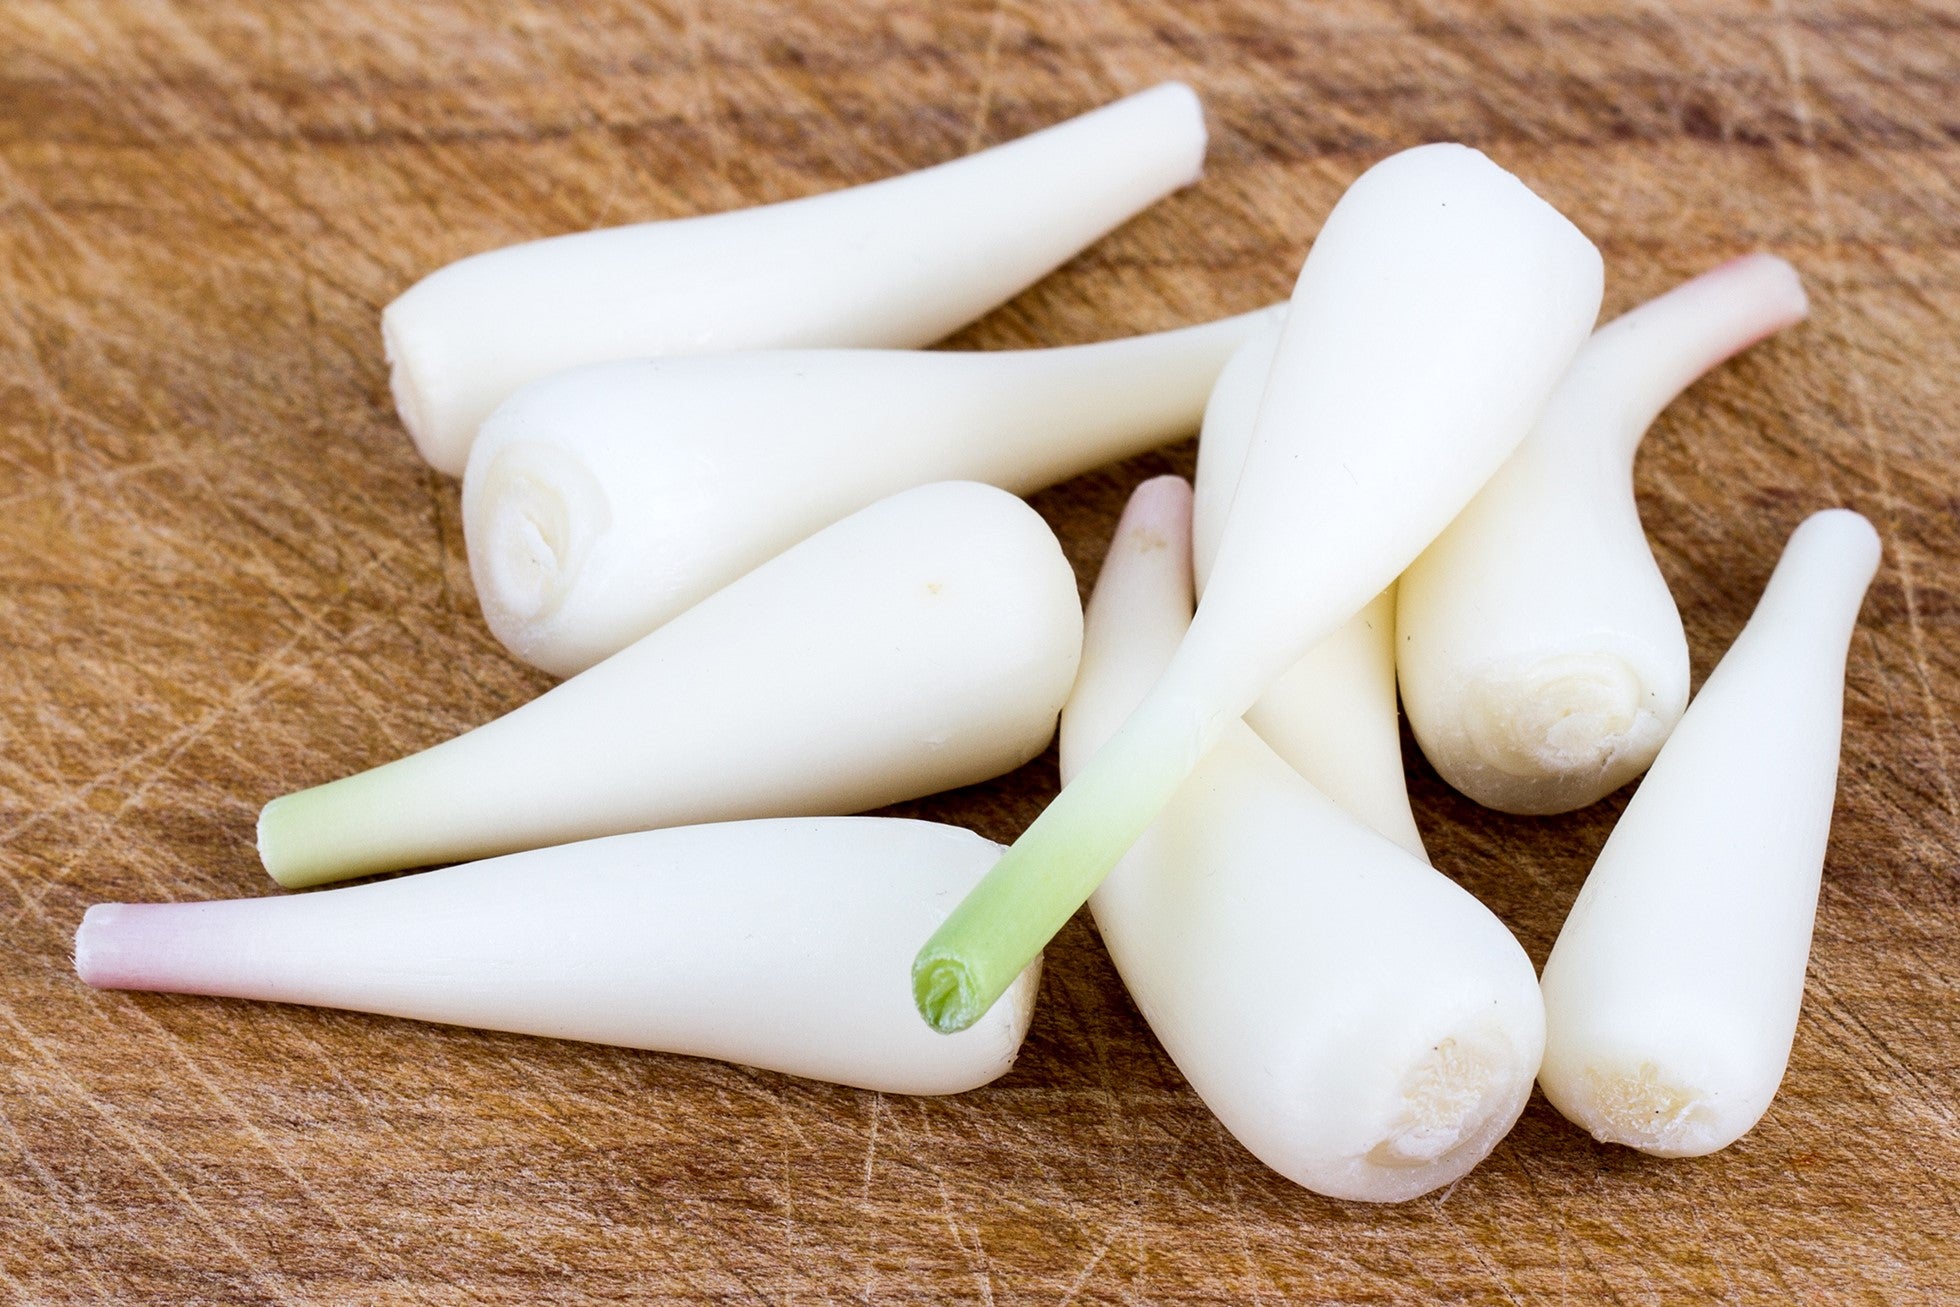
<point x="224" y="575"/>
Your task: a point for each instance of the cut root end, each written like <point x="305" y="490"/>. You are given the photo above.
<point x="1556" y="735"/>
<point x="532" y="519"/>
<point x="1646" y="1108"/>
<point x="1453" y="1097"/>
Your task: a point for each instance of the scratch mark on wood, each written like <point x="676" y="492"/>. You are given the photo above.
<point x="983" y="102"/>
<point x="223" y="571"/>
<point x="1898" y="557"/>
<point x="273" y="1282"/>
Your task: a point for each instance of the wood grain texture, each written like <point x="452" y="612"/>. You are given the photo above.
<point x="224" y="574"/>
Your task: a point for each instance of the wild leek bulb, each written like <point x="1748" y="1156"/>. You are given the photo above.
<point x="1672" y="993"/>
<point x="922" y="643"/>
<point x="601" y="502"/>
<point x="1331" y="715"/>
<point x="895" y="264"/>
<point x="1437" y="309"/>
<point x="778" y="944"/>
<point x="1541" y="656"/>
<point x="1357" y="1020"/>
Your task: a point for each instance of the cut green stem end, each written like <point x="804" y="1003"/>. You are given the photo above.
<point x="1009" y="917"/>
<point x="342" y="829"/>
<point x="943" y="989"/>
<point x="292" y="828"/>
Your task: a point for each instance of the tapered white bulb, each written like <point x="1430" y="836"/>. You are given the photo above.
<point x="602" y="502"/>
<point x="1439" y="306"/>
<point x="893" y="264"/>
<point x="779" y="944"/>
<point x="1541" y="656"/>
<point x="1672" y="993"/>
<point x="920" y="644"/>
<point x="1332" y="714"/>
<point x="1359" y="1022"/>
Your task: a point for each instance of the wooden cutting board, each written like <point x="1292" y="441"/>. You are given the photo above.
<point x="224" y="575"/>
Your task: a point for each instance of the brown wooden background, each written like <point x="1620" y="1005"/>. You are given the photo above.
<point x="223" y="575"/>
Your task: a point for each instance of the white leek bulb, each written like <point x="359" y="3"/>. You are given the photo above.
<point x="601" y="502"/>
<point x="1672" y="993"/>
<point x="1541" y="656"/>
<point x="1358" y="1021"/>
<point x="1436" y="311"/>
<point x="922" y="643"/>
<point x="1331" y="715"/>
<point x="896" y="263"/>
<point x="779" y="944"/>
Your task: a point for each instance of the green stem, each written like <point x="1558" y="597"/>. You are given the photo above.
<point x="358" y="825"/>
<point x="1005" y="921"/>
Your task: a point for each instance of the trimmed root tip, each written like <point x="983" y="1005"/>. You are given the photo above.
<point x="1647" y="1108"/>
<point x="1558" y="734"/>
<point x="1452" y="1099"/>
<point x="943" y="989"/>
<point x="531" y="519"/>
